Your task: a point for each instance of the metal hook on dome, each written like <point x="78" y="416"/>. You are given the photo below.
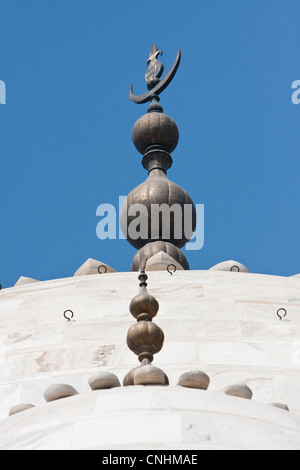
<point x="67" y="318"/>
<point x="102" y="266"/>
<point x="168" y="269"/>
<point x="235" y="270"/>
<point x="285" y="312"/>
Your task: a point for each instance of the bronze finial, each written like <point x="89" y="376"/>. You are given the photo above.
<point x="145" y="338"/>
<point x="153" y="74"/>
<point x="154" y="52"/>
<point x="155" y="135"/>
<point x="155" y="68"/>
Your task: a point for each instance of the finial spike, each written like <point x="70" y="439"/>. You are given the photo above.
<point x="152" y="77"/>
<point x="153" y="49"/>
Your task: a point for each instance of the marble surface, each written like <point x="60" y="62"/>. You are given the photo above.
<point x="155" y="417"/>
<point x="223" y="323"/>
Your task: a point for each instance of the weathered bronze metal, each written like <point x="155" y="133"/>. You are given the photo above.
<point x="129" y="378"/>
<point x="154" y="72"/>
<point x="158" y="215"/>
<point x="143" y="306"/>
<point x="156" y="191"/>
<point x="155" y="68"/>
<point x="155" y="131"/>
<point x="152" y="248"/>
<point x="145" y="338"/>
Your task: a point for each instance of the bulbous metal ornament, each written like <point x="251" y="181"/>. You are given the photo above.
<point x="158" y="215"/>
<point x="145" y="339"/>
<point x="129" y="378"/>
<point x="158" y="209"/>
<point x="155" y="129"/>
<point x="152" y="248"/>
<point x="143" y="306"/>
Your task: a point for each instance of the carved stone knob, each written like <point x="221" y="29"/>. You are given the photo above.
<point x="194" y="379"/>
<point x="149" y="375"/>
<point x="103" y="379"/>
<point x="241" y="390"/>
<point x="58" y="391"/>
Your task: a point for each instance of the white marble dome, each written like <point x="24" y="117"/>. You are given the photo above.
<point x="220" y="322"/>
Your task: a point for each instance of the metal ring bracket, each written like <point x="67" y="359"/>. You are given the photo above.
<point x="67" y="318"/>
<point x="235" y="270"/>
<point x="102" y="266"/>
<point x="168" y="269"/>
<point x="285" y="312"/>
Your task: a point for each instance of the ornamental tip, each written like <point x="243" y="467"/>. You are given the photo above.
<point x="153" y="74"/>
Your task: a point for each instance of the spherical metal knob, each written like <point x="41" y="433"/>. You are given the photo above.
<point x="145" y="338"/>
<point x="144" y="305"/>
<point x="157" y="129"/>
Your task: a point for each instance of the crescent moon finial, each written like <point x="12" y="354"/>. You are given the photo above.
<point x="152" y="76"/>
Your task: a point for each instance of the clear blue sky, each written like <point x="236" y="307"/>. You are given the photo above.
<point x="66" y="128"/>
